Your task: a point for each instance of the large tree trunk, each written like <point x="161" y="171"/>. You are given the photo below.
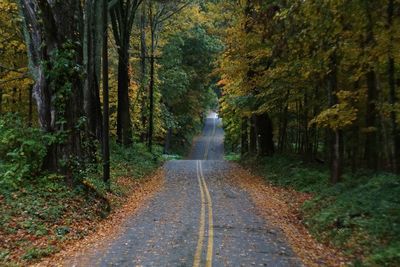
<point x="265" y="135"/>
<point x="122" y="18"/>
<point x="124" y="129"/>
<point x="93" y="37"/>
<point x="55" y="27"/>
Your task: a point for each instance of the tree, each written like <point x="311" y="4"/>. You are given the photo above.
<point x="159" y="12"/>
<point x="122" y="19"/>
<point x="106" y="119"/>
<point x="55" y="53"/>
<point x="185" y="83"/>
<point x="92" y="45"/>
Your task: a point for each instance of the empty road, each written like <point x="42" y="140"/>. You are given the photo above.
<point x="199" y="218"/>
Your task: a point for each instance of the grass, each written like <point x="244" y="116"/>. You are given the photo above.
<point x="360" y="215"/>
<point x="43" y="213"/>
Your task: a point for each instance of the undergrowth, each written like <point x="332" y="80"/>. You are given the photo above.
<point x="39" y="212"/>
<point x="360" y="215"/>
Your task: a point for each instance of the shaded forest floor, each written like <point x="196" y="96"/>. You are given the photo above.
<point x="360" y="216"/>
<point x="44" y="215"/>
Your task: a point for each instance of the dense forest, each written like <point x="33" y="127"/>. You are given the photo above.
<point x="90" y="87"/>
<point x="319" y="79"/>
<point x="141" y="77"/>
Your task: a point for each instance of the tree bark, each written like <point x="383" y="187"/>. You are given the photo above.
<point x="265" y="135"/>
<point x="244" y="144"/>
<point x="151" y="92"/>
<point x="122" y="18"/>
<point x="106" y="115"/>
<point x="253" y="136"/>
<point x="49" y="28"/>
<point x="124" y="130"/>
<point x="30" y="110"/>
<point x="93" y="27"/>
<point x="143" y="73"/>
<point x="371" y="141"/>
<point x="395" y="135"/>
<point x="335" y="135"/>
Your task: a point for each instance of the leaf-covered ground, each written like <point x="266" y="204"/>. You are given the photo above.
<point x="360" y="216"/>
<point x="282" y="208"/>
<point x="108" y="229"/>
<point x="44" y="215"/>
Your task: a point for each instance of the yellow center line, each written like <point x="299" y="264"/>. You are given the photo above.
<point x="210" y="242"/>
<point x="199" y="247"/>
<point x="203" y="188"/>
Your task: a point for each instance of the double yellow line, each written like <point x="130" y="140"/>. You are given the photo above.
<point x="205" y="202"/>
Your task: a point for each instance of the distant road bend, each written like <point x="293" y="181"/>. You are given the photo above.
<point x="199" y="218"/>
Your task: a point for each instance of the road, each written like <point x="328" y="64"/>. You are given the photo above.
<point x="199" y="218"/>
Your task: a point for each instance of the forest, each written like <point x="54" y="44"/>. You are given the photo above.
<point x="97" y="94"/>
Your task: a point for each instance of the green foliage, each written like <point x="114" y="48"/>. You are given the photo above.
<point x="186" y="87"/>
<point x="315" y="67"/>
<point x="22" y="150"/>
<point x="37" y="253"/>
<point x="46" y="208"/>
<point x="134" y="162"/>
<point x="360" y="215"/>
<point x="61" y="72"/>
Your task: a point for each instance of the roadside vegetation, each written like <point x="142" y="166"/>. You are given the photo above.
<point x="310" y="90"/>
<point x="84" y="118"/>
<point x="92" y="93"/>
<point x="40" y="212"/>
<point x="360" y="216"/>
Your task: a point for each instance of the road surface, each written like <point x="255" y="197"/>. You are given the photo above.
<point x="199" y="218"/>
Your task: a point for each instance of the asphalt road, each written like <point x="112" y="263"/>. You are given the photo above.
<point x="198" y="219"/>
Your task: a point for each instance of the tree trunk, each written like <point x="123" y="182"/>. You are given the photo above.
<point x="30" y="111"/>
<point x="51" y="28"/>
<point x="336" y="158"/>
<point x="283" y="125"/>
<point x="371" y="140"/>
<point x="395" y="135"/>
<point x="168" y="141"/>
<point x="151" y="91"/>
<point x="122" y="17"/>
<point x="124" y="130"/>
<point x="265" y="135"/>
<point x="253" y="136"/>
<point x="143" y="54"/>
<point x="335" y="135"/>
<point x="106" y="115"/>
<point x="1" y="101"/>
<point x="244" y="145"/>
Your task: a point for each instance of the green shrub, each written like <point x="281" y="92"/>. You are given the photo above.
<point x="360" y="215"/>
<point x="22" y="150"/>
